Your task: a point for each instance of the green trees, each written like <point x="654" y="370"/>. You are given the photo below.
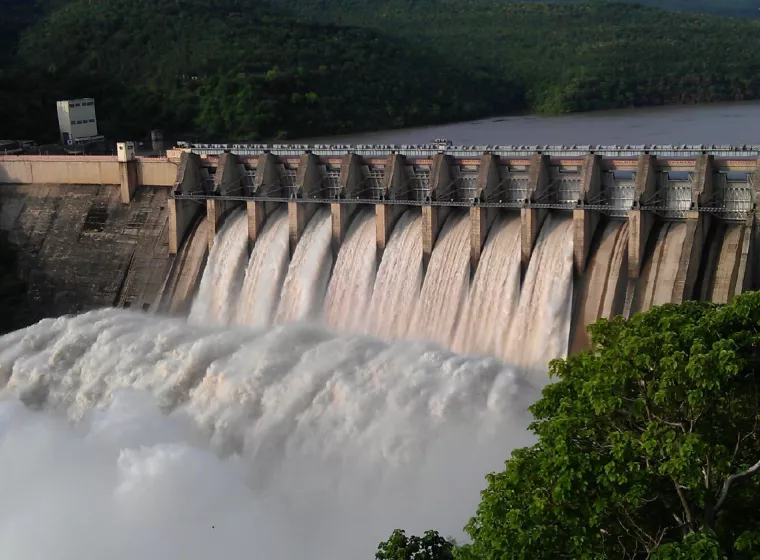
<point x="228" y="70"/>
<point x="431" y="546"/>
<point x="647" y="446"/>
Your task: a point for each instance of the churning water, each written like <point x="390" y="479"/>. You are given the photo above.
<point x="246" y="432"/>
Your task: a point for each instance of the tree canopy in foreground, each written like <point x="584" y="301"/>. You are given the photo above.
<point x="647" y="446"/>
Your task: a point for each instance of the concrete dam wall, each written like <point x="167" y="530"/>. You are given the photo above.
<point x="81" y="245"/>
<point x="471" y="247"/>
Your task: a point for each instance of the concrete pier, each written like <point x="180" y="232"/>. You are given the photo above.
<point x="226" y="182"/>
<point x="640" y="224"/>
<point x="308" y="181"/>
<point x="182" y="212"/>
<point x="697" y="226"/>
<point x="531" y="219"/>
<point x="585" y="222"/>
<point x="433" y="217"/>
<point x="395" y="187"/>
<point x="266" y="183"/>
<point x="744" y="271"/>
<point x="481" y="217"/>
<point x="341" y="213"/>
<point x="128" y="180"/>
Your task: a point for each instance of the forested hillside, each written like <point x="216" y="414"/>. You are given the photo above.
<point x="571" y="56"/>
<point x="231" y="69"/>
<point x="245" y="69"/>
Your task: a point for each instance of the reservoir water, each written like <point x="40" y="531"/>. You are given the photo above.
<point x="735" y="123"/>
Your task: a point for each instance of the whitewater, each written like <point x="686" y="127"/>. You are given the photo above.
<point x="297" y="412"/>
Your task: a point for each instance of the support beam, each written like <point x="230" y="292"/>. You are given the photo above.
<point x="226" y="182"/>
<point x="639" y="225"/>
<point x="308" y="182"/>
<point x="395" y="187"/>
<point x="585" y="222"/>
<point x="481" y="218"/>
<point x="183" y="212"/>
<point x="433" y="217"/>
<point x="697" y="226"/>
<point x="531" y="219"/>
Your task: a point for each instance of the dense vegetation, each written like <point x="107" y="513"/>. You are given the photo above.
<point x="647" y="448"/>
<point x="231" y="69"/>
<point x="246" y="69"/>
<point x="575" y="57"/>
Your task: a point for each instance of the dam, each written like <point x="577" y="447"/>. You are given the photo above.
<point x="448" y="233"/>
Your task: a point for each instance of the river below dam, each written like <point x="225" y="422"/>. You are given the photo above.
<point x="308" y="406"/>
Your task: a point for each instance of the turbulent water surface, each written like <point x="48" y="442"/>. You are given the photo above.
<point x="288" y="442"/>
<point x="243" y="431"/>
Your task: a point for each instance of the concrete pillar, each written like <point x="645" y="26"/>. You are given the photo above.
<point x="266" y="183"/>
<point x="267" y="180"/>
<point x="341" y="216"/>
<point x="481" y="218"/>
<point x="433" y="217"/>
<point x="226" y="182"/>
<point x="308" y="182"/>
<point x="395" y="187"/>
<point x="585" y="222"/>
<point x="341" y="213"/>
<point x="351" y="175"/>
<point x="640" y="224"/>
<point x="531" y="219"/>
<point x="744" y="271"/>
<point x="697" y="226"/>
<point x="127" y="180"/>
<point x="183" y="212"/>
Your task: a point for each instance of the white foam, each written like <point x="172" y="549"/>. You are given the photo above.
<point x="292" y="442"/>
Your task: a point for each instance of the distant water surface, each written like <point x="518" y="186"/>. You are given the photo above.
<point x="732" y="123"/>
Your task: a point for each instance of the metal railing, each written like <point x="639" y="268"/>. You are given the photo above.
<point x="655" y="207"/>
<point x="429" y="150"/>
